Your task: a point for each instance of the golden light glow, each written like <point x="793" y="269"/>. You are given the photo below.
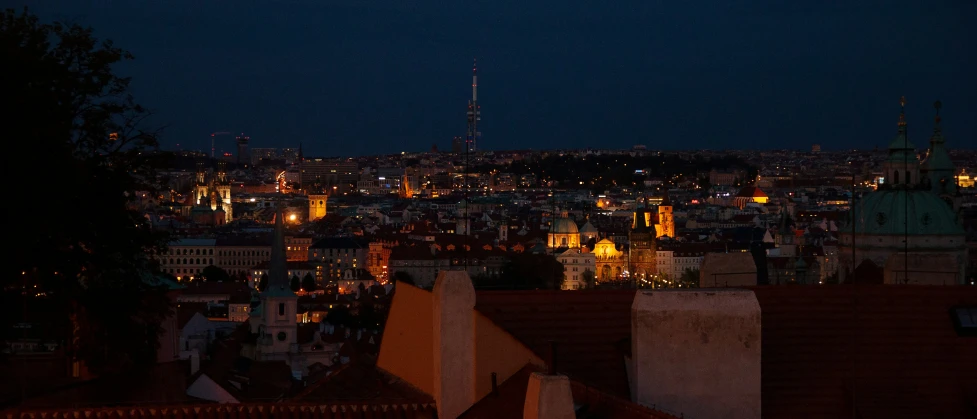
<point x="291" y="217"/>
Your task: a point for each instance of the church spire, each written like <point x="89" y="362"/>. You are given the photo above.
<point x="278" y="281"/>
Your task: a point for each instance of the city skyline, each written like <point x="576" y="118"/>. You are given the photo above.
<point x="365" y="78"/>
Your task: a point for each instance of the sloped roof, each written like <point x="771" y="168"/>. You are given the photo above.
<point x="881" y="351"/>
<point x="510" y="399"/>
<point x="587" y="327"/>
<point x="361" y="380"/>
<point x="347" y="410"/>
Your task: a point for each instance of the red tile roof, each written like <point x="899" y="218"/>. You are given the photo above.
<point x="237" y="411"/>
<point x="362" y="381"/>
<point x="882" y="351"/>
<point x="510" y="399"/>
<point x="587" y="327"/>
<point x="160" y="383"/>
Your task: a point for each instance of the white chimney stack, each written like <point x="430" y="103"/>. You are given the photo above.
<point x="454" y="343"/>
<point x="697" y="352"/>
<point x="194" y="362"/>
<point x="548" y="397"/>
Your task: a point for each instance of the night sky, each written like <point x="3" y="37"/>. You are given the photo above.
<point x="353" y="77"/>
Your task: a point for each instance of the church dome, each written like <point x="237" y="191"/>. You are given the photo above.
<point x="564" y="226"/>
<point x="886" y="212"/>
<point x="588" y="228"/>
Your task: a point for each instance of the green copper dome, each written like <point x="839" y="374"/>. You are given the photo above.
<point x="886" y="211"/>
<point x="564" y="225"/>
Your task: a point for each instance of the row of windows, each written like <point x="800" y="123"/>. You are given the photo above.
<point x="184" y="251"/>
<point x="210" y="252"/>
<point x="197" y="261"/>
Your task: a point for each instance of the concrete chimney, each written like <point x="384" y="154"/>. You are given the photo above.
<point x="697" y="352"/>
<point x="454" y="343"/>
<point x="194" y="362"/>
<point x="548" y="397"/>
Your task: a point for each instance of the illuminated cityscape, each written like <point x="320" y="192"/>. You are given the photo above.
<point x="243" y="273"/>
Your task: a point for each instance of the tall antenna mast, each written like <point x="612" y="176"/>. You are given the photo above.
<point x="473" y="117"/>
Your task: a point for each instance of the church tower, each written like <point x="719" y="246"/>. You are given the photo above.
<point x="277" y="327"/>
<point x="902" y="167"/>
<point x="666" y="223"/>
<point x="785" y="235"/>
<point x="937" y="168"/>
<point x="641" y="246"/>
<point x="223" y="186"/>
<point x="317" y="206"/>
<point x="200" y="185"/>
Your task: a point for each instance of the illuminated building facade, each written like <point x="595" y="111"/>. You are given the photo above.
<point x="213" y="191"/>
<point x="563" y="234"/>
<point x="609" y="261"/>
<point x="666" y="222"/>
<point x="642" y="246"/>
<point x="317" y="206"/>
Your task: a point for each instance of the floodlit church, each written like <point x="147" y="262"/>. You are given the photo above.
<point x="213" y="192"/>
<point x="909" y="230"/>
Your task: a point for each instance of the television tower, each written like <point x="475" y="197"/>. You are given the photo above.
<point x="474" y="112"/>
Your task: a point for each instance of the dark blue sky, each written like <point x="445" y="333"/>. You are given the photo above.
<point x="351" y="77"/>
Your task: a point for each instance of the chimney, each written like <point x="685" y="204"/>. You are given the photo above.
<point x="194" y="362"/>
<point x="697" y="352"/>
<point x="548" y="397"/>
<point x="454" y="343"/>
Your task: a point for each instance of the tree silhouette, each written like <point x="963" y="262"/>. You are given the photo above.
<point x="532" y="271"/>
<point x="338" y="316"/>
<point x="588" y="278"/>
<point x="95" y="267"/>
<point x="295" y="284"/>
<point x="263" y="282"/>
<point x="308" y="282"/>
<point x="214" y="274"/>
<point x="689" y="278"/>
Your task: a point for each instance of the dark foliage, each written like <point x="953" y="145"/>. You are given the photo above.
<point x="339" y="316"/>
<point x="526" y="271"/>
<point x="89" y="254"/>
<point x="308" y="282"/>
<point x="215" y="274"/>
<point x="295" y="284"/>
<point x="263" y="282"/>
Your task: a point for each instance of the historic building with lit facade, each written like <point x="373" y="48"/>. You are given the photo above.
<point x="563" y="233"/>
<point x="213" y="191"/>
<point x="909" y="230"/>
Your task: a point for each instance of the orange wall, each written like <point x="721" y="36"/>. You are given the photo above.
<point x="408" y="338"/>
<point x="499" y="352"/>
<point x="408" y="344"/>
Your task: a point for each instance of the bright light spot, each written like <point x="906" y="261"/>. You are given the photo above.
<point x="292" y="217"/>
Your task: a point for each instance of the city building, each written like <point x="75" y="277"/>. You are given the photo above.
<point x="907" y="231"/>
<point x="237" y="255"/>
<point x="243" y="157"/>
<point x="579" y="269"/>
<point x="317" y="206"/>
<point x="338" y="175"/>
<point x="563" y="233"/>
<point x="185" y="258"/>
<point x="641" y="246"/>
<point x="297" y="247"/>
<point x="214" y="190"/>
<point x="334" y="255"/>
